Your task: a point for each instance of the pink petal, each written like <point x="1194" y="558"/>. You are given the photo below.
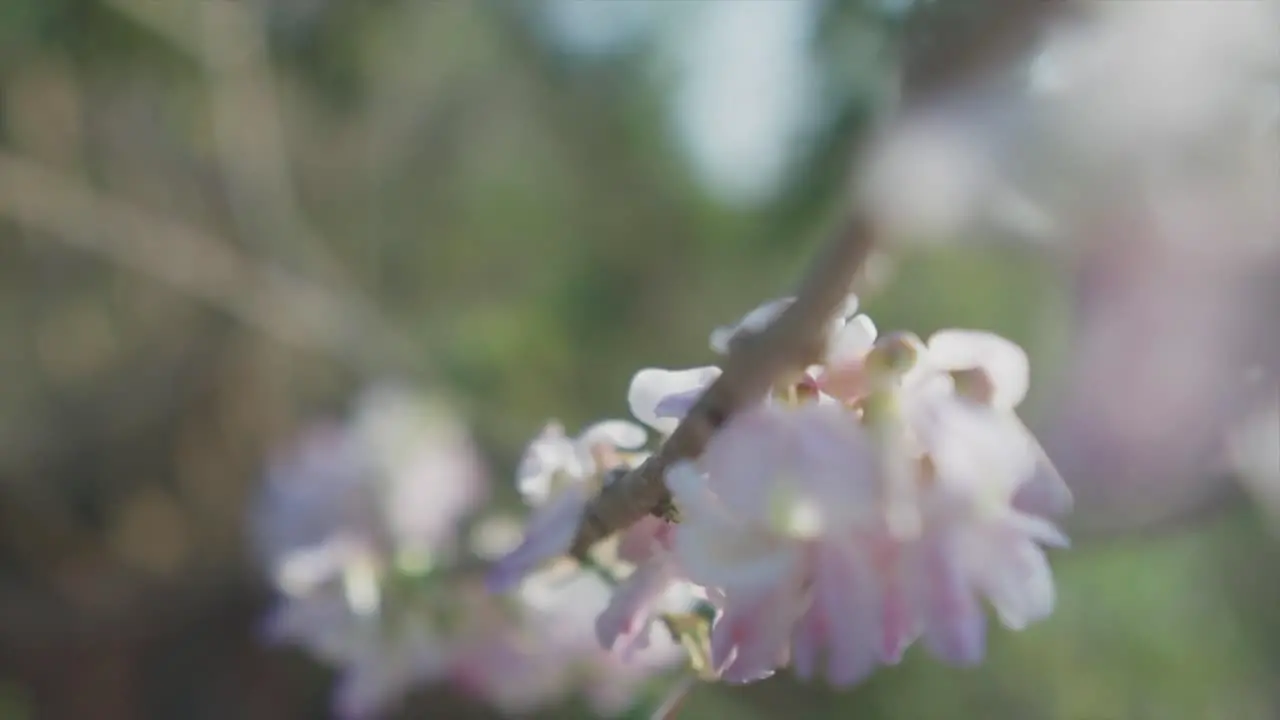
<point x="638" y="542"/>
<point x="1044" y="493"/>
<point x="846" y="595"/>
<point x="898" y="627"/>
<point x="630" y="610"/>
<point x="1015" y="577"/>
<point x="750" y="640"/>
<point x="954" y="622"/>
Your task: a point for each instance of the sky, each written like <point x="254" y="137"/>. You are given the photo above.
<point x="743" y="81"/>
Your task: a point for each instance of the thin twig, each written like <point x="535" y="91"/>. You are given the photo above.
<point x="194" y="262"/>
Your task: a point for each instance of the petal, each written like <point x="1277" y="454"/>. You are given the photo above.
<point x="677" y="405"/>
<point x="616" y="433"/>
<point x="954" y="622"/>
<point x="722" y="554"/>
<point x="1017" y="580"/>
<point x="548" y="535"/>
<point x="850" y="306"/>
<point x="1045" y="492"/>
<point x="1038" y="530"/>
<point x="639" y="542"/>
<point x="745" y="460"/>
<point x="843" y="617"/>
<point x="899" y="626"/>
<point x="852" y="341"/>
<point x="549" y="453"/>
<point x="630" y="609"/>
<point x="754" y="321"/>
<point x="750" y="640"/>
<point x="651" y="386"/>
<point x="1004" y="362"/>
<point x="301" y="571"/>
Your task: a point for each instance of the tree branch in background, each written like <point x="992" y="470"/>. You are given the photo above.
<point x="195" y="263"/>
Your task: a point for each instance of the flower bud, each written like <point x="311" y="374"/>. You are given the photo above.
<point x="893" y="355"/>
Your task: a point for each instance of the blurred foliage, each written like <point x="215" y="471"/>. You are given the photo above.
<point x="522" y="219"/>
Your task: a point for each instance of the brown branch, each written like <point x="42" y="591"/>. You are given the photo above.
<point x="793" y="341"/>
<point x="942" y="61"/>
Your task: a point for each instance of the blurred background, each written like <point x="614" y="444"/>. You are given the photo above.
<point x="219" y="219"/>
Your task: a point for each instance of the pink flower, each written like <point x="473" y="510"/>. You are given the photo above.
<point x="561" y="608"/>
<point x="657" y="584"/>
<point x="779" y="522"/>
<point x="557" y="476"/>
<point x="835" y="536"/>
<point x="343" y="511"/>
<point x="389" y="486"/>
<point x="992" y="373"/>
<point x="975" y="460"/>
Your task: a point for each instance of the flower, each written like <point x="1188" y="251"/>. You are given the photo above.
<point x="351" y="516"/>
<point x="657" y="585"/>
<point x="557" y="476"/>
<point x="993" y="375"/>
<point x="774" y="518"/>
<point x="833" y="534"/>
<point x="974" y="459"/>
<point x="350" y="501"/>
<point x="561" y="608"/>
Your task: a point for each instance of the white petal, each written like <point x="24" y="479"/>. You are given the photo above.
<point x="852" y="340"/>
<point x="1044" y="492"/>
<point x="551" y="452"/>
<point x="618" y="433"/>
<point x="1016" y="578"/>
<point x="631" y="608"/>
<point x="1004" y="362"/>
<point x="651" y="386"/>
<point x="713" y="547"/>
<point x="850" y="306"/>
<point x="301" y="571"/>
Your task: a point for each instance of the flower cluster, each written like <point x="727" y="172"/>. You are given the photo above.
<point x="869" y="501"/>
<point x="361" y="528"/>
<point x="872" y="500"/>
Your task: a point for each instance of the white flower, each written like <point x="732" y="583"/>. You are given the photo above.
<point x="779" y="523"/>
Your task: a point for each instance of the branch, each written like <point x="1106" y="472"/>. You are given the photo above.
<point x="793" y="341"/>
<point x="943" y="61"/>
<point x="195" y="263"/>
